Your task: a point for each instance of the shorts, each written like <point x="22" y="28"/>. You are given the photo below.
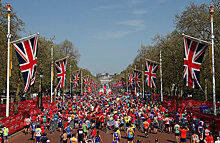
<point x="183" y="140"/>
<point x="38" y="139"/>
<point x="69" y="136"/>
<point x="80" y="139"/>
<point x="155" y="126"/>
<point x="130" y="139"/>
<point x="145" y="130"/>
<point x="121" y="125"/>
<point x="5" y="137"/>
<point x="85" y="133"/>
<point x="167" y="125"/>
<point x="27" y="126"/>
<point x="177" y="134"/>
<point x="59" y="125"/>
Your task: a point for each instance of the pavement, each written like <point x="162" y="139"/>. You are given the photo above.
<point x="106" y="137"/>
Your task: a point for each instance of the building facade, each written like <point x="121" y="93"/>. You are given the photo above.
<point x="105" y="78"/>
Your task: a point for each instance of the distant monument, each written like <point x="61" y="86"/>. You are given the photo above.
<point x="105" y="78"/>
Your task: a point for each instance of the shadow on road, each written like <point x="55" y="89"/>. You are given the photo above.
<point x="141" y="136"/>
<point x="171" y="141"/>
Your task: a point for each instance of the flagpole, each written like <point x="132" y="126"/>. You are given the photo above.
<point x="135" y="84"/>
<point x="81" y="83"/>
<point x="161" y="78"/>
<point x="143" y="79"/>
<point x="70" y="80"/>
<point x="211" y="11"/>
<point x="51" y="81"/>
<point x="126" y="77"/>
<point x="8" y="64"/>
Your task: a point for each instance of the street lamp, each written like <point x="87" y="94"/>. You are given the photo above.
<point x="8" y="62"/>
<point x="41" y="102"/>
<point x="211" y="11"/>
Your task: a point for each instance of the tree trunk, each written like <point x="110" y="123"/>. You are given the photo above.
<point x="16" y="98"/>
<point x="55" y="93"/>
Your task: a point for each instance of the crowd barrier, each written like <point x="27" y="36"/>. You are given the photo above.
<point x="193" y="106"/>
<point x="208" y="118"/>
<point x="29" y="107"/>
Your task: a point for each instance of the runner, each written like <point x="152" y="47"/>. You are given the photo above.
<point x="194" y="138"/>
<point x="5" y="134"/>
<point x="60" y="123"/>
<point x="73" y="139"/>
<point x="64" y="136"/>
<point x="33" y="128"/>
<point x="38" y="134"/>
<point x="98" y="138"/>
<point x="80" y="135"/>
<point x="68" y="131"/>
<point x="44" y="139"/>
<point x="183" y="131"/>
<point x="130" y="134"/>
<point x="200" y="130"/>
<point x="1" y="133"/>
<point x="116" y="135"/>
<point x="177" y="132"/>
<point x="146" y="126"/>
<point x="155" y="122"/>
<point x="209" y="138"/>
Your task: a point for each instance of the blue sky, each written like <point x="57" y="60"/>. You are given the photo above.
<point x="107" y="33"/>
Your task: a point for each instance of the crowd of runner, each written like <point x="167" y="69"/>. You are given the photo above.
<point x="115" y="113"/>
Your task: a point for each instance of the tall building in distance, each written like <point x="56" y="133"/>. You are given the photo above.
<point x="105" y="78"/>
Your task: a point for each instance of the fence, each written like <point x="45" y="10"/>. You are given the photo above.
<point x="193" y="107"/>
<point x="29" y="107"/>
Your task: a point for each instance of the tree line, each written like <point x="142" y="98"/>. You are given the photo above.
<point x="63" y="49"/>
<point x="194" y="20"/>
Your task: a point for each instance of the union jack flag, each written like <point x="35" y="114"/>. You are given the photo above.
<point x="27" y="56"/>
<point x="137" y="78"/>
<point x="150" y="73"/>
<point x="86" y="80"/>
<point x="130" y="80"/>
<point x="193" y="55"/>
<point x="76" y="79"/>
<point x="61" y="72"/>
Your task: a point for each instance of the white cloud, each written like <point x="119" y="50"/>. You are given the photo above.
<point x="133" y="26"/>
<point x="137" y="24"/>
<point x="113" y="35"/>
<point x="139" y="11"/>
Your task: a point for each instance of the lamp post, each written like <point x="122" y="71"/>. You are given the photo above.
<point x="211" y="11"/>
<point x="41" y="102"/>
<point x="8" y="64"/>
